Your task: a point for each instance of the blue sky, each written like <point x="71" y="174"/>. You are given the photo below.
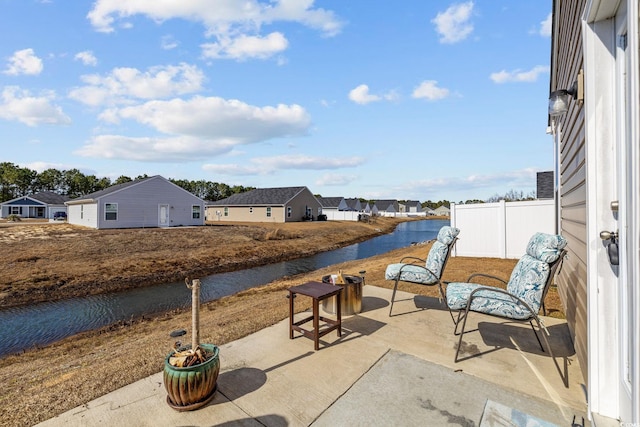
<point x="403" y="99"/>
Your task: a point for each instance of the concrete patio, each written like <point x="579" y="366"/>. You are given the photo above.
<point x="383" y="371"/>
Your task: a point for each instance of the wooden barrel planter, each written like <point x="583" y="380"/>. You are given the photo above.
<point x="192" y="387"/>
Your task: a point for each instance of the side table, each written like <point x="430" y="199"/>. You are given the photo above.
<point x="318" y="291"/>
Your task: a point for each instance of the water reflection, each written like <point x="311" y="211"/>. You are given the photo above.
<point x="40" y="324"/>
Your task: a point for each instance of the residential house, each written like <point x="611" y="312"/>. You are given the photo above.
<point x="331" y="204"/>
<point x="413" y="206"/>
<point x="386" y="207"/>
<point x="353" y="205"/>
<point x="428" y="211"/>
<point x="284" y="204"/>
<point x="595" y="61"/>
<point x="148" y="202"/>
<point x="442" y="211"/>
<point x="42" y="205"/>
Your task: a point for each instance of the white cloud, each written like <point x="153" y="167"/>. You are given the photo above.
<point x="124" y="84"/>
<point x="335" y="179"/>
<point x="21" y="106"/>
<point x="235" y="25"/>
<point x="361" y="95"/>
<point x="245" y="47"/>
<point x="40" y="166"/>
<point x="196" y="128"/>
<point x="507" y="180"/>
<point x="453" y="24"/>
<point x="168" y="42"/>
<point x="269" y="165"/>
<point x="545" y="26"/>
<point x="87" y="58"/>
<point x="24" y="62"/>
<point x="152" y="149"/>
<point x="519" y="75"/>
<point x="429" y="89"/>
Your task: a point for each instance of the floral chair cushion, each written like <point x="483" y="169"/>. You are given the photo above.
<point x="485" y="301"/>
<point x="432" y="270"/>
<point x="526" y="283"/>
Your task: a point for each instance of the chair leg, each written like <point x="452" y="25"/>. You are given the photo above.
<point x="456" y="323"/>
<point x="443" y="297"/>
<point x="464" y="323"/>
<point x="536" y="333"/>
<point x="393" y="295"/>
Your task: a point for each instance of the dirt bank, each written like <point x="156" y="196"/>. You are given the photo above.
<point x="50" y="261"/>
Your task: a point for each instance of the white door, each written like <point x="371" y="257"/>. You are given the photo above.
<point x="163" y="215"/>
<point x="627" y="179"/>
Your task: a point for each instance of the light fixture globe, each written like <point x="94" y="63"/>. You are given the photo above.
<point x="558" y="103"/>
<point x="559" y="100"/>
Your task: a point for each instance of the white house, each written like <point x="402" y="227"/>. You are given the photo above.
<point x="149" y="202"/>
<point x="595" y="55"/>
<point x="331" y="204"/>
<point x="442" y="211"/>
<point x="352" y="204"/>
<point x="41" y="205"/>
<point x="386" y="207"/>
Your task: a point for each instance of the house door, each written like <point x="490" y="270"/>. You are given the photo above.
<point x="627" y="189"/>
<point x="163" y="215"/>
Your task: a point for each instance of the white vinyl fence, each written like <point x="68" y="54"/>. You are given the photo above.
<point x="341" y="215"/>
<point x="502" y="229"/>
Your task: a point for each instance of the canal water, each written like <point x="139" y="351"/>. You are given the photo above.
<point x="40" y="324"/>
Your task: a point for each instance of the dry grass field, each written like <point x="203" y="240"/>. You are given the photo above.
<point x="41" y="383"/>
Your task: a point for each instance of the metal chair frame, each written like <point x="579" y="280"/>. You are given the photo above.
<point x="419" y="262"/>
<point x="554" y="269"/>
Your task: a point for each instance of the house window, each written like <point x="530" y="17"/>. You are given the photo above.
<point x="16" y="210"/>
<point x="195" y="212"/>
<point x="251" y="210"/>
<point x="226" y="211"/>
<point x="268" y="211"/>
<point x="288" y="211"/>
<point x="111" y="211"/>
<point x="81" y="211"/>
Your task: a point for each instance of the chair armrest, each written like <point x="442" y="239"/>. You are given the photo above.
<point x="489" y="276"/>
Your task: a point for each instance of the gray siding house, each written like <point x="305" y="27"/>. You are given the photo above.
<point x="595" y="49"/>
<point x="331" y="203"/>
<point x="386" y="207"/>
<point x="283" y="204"/>
<point x="149" y="202"/>
<point x="42" y="205"/>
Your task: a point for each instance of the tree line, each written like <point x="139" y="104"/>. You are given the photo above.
<point x="18" y="181"/>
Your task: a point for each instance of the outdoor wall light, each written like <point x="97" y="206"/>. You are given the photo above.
<point x="559" y="100"/>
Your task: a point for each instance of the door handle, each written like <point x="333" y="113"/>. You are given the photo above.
<point x="612" y="246"/>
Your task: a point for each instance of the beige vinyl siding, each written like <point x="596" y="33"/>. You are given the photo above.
<point x="572" y="281"/>
<point x="243" y="214"/>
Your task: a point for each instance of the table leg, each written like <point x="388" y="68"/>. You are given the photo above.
<point x="316" y="323"/>
<point x="291" y="296"/>
<point x="339" y="311"/>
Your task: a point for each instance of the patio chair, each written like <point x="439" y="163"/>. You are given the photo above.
<point x="524" y="294"/>
<point x="424" y="271"/>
